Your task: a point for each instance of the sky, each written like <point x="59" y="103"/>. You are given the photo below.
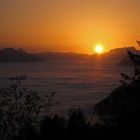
<point x="69" y="25"/>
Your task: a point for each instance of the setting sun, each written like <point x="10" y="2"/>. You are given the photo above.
<point x="99" y="49"/>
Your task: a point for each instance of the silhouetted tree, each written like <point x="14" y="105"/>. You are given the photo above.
<point x="135" y="77"/>
<point x="77" y="125"/>
<point x="21" y="108"/>
<point x="119" y="113"/>
<point x="52" y="128"/>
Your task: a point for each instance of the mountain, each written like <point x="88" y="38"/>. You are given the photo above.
<point x="19" y="55"/>
<point x="127" y="60"/>
<point x="63" y="56"/>
<point x="113" y="55"/>
<point x="116" y="54"/>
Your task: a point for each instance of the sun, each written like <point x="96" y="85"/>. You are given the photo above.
<point x="99" y="49"/>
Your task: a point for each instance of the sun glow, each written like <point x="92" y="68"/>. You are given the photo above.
<point x="99" y="49"/>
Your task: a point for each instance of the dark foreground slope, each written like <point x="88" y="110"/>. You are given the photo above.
<point x="121" y="110"/>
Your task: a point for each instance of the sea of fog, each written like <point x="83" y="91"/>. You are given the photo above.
<point x="77" y="83"/>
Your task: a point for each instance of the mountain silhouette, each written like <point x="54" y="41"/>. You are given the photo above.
<point x="127" y="60"/>
<point x="122" y="105"/>
<point x="19" y="55"/>
<point x="116" y="54"/>
<point x="113" y="55"/>
<point x="69" y="56"/>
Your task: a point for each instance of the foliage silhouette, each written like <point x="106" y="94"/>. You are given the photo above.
<point x="129" y="80"/>
<point x="119" y="112"/>
<point x="52" y="128"/>
<point x="20" y="108"/>
<point x="24" y="115"/>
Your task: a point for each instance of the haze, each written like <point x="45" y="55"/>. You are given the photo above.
<point x="69" y="25"/>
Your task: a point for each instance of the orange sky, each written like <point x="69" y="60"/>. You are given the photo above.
<point x="69" y="25"/>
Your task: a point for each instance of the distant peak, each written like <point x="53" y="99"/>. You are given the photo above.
<point x="22" y="51"/>
<point x="131" y="48"/>
<point x="8" y="49"/>
<point x="123" y="49"/>
<point x="13" y="50"/>
<point x="17" y="55"/>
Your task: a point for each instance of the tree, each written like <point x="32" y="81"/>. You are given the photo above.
<point x="21" y="107"/>
<point x="129" y="80"/>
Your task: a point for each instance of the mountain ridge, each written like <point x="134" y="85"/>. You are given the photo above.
<point x="17" y="55"/>
<point x="20" y="55"/>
